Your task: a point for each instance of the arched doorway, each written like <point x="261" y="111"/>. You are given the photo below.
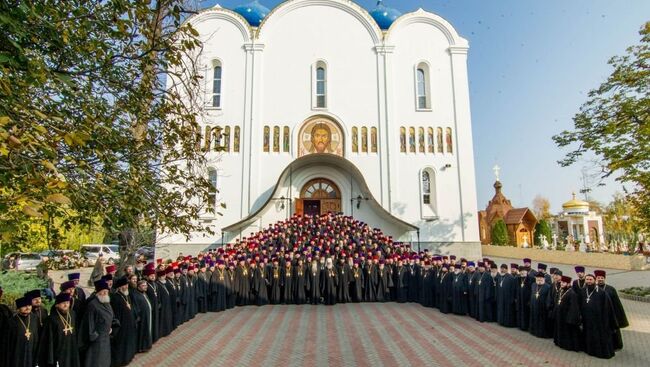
<point x="319" y="196"/>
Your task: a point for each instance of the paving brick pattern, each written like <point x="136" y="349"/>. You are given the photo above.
<point x="373" y="334"/>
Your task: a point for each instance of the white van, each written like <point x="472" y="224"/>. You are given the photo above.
<point x="110" y="253"/>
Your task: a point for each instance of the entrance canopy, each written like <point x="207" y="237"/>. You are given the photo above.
<point x="323" y="162"/>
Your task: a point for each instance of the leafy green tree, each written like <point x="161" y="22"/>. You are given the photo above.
<point x="500" y="233"/>
<point x="543" y="228"/>
<point x="99" y="117"/>
<point x="613" y="124"/>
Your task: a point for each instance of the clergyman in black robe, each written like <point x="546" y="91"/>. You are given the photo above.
<point x="506" y="298"/>
<point x="426" y="293"/>
<point x="444" y="290"/>
<point x="96" y="327"/>
<point x="300" y="283"/>
<point x="219" y="284"/>
<point x="460" y="289"/>
<point x="566" y="316"/>
<point x="619" y="312"/>
<point x="21" y="336"/>
<point x="166" y="321"/>
<point x="384" y="283"/>
<point x="259" y="284"/>
<point x="524" y="284"/>
<point x="144" y="310"/>
<point x="58" y="341"/>
<point x="287" y="283"/>
<point x="275" y="281"/>
<point x="152" y="293"/>
<point x="124" y="341"/>
<point x="313" y="283"/>
<point x="401" y="282"/>
<point x="370" y="282"/>
<point x="598" y="320"/>
<point x="243" y="284"/>
<point x="540" y="306"/>
<point x="202" y="290"/>
<point x="5" y="315"/>
<point x="343" y="290"/>
<point x="328" y="284"/>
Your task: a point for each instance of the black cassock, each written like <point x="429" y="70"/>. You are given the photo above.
<point x="370" y="283"/>
<point x="523" y="302"/>
<point x="94" y="334"/>
<point x="300" y="285"/>
<point x="566" y="316"/>
<point x="598" y="322"/>
<point x="179" y="313"/>
<point x="166" y="322"/>
<point x="258" y="286"/>
<point x="444" y="292"/>
<point x="21" y="346"/>
<point x="426" y="293"/>
<point x="152" y="293"/>
<point x="384" y="283"/>
<point x="243" y="285"/>
<point x="124" y="340"/>
<point x="202" y="292"/>
<point x="275" y="284"/>
<point x="506" y="297"/>
<point x="460" y="289"/>
<point x="58" y="341"/>
<point x="219" y="290"/>
<point x="414" y="283"/>
<point x="5" y="315"/>
<point x="472" y="293"/>
<point x="343" y="290"/>
<point x="177" y="318"/>
<point x="231" y="292"/>
<point x="287" y="285"/>
<point x="401" y="284"/>
<point x="313" y="286"/>
<point x="540" y="306"/>
<point x="191" y="297"/>
<point x="356" y="284"/>
<point x="619" y="313"/>
<point x="41" y="315"/>
<point x="144" y="311"/>
<point x="183" y="292"/>
<point x="328" y="284"/>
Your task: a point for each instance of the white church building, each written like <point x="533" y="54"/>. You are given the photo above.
<point x="322" y="105"/>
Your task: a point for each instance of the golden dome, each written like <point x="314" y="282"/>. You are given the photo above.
<point x="575" y="203"/>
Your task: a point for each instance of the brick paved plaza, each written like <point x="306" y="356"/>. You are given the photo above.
<point x="373" y="334"/>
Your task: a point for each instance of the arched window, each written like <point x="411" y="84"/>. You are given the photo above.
<point x="412" y="139"/>
<point x="421" y="140"/>
<point x="212" y="191"/>
<point x="285" y="139"/>
<point x="226" y="139"/>
<point x="216" y="85"/>
<point x="422" y="89"/>
<point x="364" y="139"/>
<point x="402" y="139"/>
<point x="265" y="139"/>
<point x="355" y="140"/>
<point x="235" y="147"/>
<point x="439" y="140"/>
<point x="373" y="139"/>
<point x="428" y="201"/>
<point x="320" y="82"/>
<point x="450" y="144"/>
<point x="276" y="139"/>
<point x="430" y="147"/>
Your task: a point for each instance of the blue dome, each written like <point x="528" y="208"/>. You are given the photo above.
<point x="384" y="16"/>
<point x="253" y="12"/>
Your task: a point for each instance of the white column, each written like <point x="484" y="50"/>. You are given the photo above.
<point x="252" y="129"/>
<point x="464" y="148"/>
<point x="384" y="131"/>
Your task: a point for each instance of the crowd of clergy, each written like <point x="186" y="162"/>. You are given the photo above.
<point x="304" y="260"/>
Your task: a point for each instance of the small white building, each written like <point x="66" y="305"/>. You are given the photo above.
<point x="577" y="221"/>
<point x="321" y="105"/>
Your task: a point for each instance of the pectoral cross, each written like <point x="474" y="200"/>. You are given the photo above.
<point x="67" y="330"/>
<point x="27" y="334"/>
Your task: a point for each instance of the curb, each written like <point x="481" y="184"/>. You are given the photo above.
<point x="634" y="298"/>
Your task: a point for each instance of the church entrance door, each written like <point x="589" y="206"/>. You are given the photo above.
<point x="319" y="196"/>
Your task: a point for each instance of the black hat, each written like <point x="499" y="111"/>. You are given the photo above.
<point x="23" y="301"/>
<point x="35" y="293"/>
<point x="100" y="285"/>
<point x="107" y="277"/>
<point x="541" y="266"/>
<point x="62" y="297"/>
<point x="121" y="282"/>
<point x="539" y="275"/>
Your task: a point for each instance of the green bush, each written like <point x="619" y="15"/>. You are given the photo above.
<point x="500" y="233"/>
<point x="637" y="291"/>
<point x="16" y="283"/>
<point x="542" y="228"/>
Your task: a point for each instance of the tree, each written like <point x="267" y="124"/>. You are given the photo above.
<point x="500" y="233"/>
<point x="99" y="117"/>
<point x="613" y="124"/>
<point x="541" y="207"/>
<point x="543" y="229"/>
<point x="621" y="221"/>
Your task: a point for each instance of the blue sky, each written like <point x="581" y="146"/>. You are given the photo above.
<point x="531" y="65"/>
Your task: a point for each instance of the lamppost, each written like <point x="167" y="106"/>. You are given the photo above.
<point x="282" y="199"/>
<point x="358" y="199"/>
